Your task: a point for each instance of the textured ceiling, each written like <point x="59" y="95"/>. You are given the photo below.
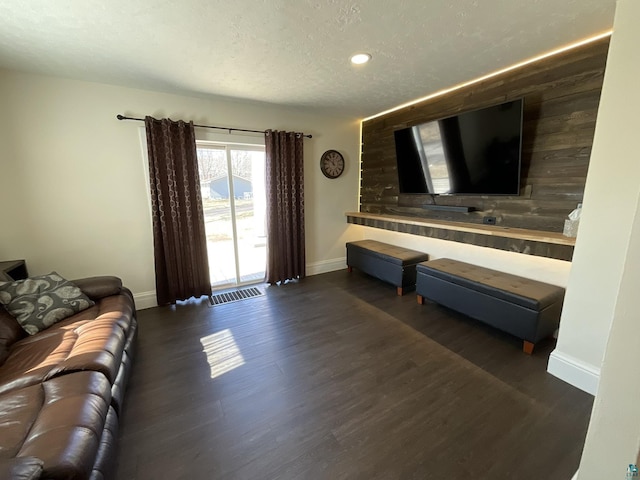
<point x="290" y="52"/>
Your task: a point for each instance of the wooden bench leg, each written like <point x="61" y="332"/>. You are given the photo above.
<point x="399" y="291"/>
<point x="349" y="268"/>
<point x="420" y="299"/>
<point x="527" y="347"/>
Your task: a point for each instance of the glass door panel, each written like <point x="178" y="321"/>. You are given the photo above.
<point x="214" y="187"/>
<point x="234" y="211"/>
<point x="247" y="167"/>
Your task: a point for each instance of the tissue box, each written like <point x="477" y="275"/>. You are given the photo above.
<point x="571" y="228"/>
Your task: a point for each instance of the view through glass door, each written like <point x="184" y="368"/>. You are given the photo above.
<point x="233" y="195"/>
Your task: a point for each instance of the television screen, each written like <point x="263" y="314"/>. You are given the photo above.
<point x="476" y="152"/>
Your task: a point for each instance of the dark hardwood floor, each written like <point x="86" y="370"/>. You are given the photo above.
<point x="335" y="377"/>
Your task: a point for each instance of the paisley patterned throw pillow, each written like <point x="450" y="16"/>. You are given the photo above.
<point x="39" y="302"/>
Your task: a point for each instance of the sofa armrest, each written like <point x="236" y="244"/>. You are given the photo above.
<point x="20" y="468"/>
<point x="99" y="287"/>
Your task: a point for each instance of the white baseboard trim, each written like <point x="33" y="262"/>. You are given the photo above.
<point x="148" y="299"/>
<point x="573" y="371"/>
<point x="325" y="266"/>
<point x="145" y="300"/>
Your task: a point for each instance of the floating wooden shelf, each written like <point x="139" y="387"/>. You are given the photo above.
<point x="519" y="233"/>
<point x="532" y="242"/>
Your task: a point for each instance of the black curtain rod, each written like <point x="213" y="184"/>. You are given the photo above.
<point x="122" y="117"/>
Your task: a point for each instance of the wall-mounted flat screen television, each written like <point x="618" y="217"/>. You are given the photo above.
<point x="473" y="153"/>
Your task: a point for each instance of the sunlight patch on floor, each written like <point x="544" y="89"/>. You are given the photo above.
<point x="222" y="352"/>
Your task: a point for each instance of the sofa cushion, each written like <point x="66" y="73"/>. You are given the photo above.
<point x="39" y="302"/>
<point x="95" y="346"/>
<point x="93" y="339"/>
<point x="21" y="468"/>
<point x="10" y="333"/>
<point x="99" y="287"/>
<point x="118" y="308"/>
<point x="59" y="421"/>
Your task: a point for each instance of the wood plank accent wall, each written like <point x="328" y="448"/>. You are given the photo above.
<point x="561" y="96"/>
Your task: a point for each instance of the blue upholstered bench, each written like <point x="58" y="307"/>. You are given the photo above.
<point x="390" y="263"/>
<point x="527" y="309"/>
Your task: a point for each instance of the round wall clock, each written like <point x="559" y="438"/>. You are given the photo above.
<point x="332" y="164"/>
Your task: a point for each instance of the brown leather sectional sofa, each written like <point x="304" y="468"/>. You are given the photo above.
<point x="61" y="390"/>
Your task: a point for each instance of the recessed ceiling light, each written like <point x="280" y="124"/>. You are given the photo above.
<point x="360" y="58"/>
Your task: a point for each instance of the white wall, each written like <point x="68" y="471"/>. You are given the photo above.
<point x="76" y="175"/>
<point x="613" y="438"/>
<point x="610" y="203"/>
<point x="13" y="224"/>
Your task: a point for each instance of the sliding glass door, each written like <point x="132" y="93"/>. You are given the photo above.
<point x="233" y="194"/>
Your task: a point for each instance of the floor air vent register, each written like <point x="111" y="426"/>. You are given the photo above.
<point x="236" y="295"/>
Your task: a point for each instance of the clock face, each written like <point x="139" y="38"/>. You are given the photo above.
<point x="332" y="164"/>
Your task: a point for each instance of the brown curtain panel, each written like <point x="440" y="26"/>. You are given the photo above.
<point x="285" y="206"/>
<point x="179" y="241"/>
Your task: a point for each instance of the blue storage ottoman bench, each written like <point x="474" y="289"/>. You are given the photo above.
<point x="527" y="309"/>
<point x="390" y="263"/>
